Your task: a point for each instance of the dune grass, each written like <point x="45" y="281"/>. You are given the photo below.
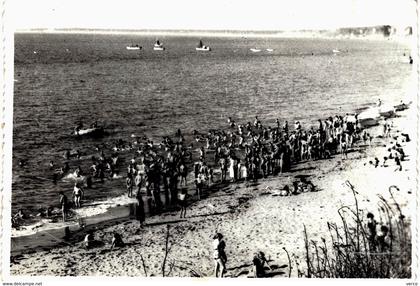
<point x="351" y="252"/>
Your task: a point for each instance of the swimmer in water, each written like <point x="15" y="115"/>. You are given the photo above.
<point x="22" y="163"/>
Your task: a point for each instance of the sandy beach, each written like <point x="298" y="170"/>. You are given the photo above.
<point x="249" y="215"/>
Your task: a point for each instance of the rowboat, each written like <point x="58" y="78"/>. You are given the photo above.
<point x="386" y="111"/>
<point x="369" y="117"/>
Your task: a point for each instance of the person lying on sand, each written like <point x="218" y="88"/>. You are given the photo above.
<point x="282" y="193"/>
<point x="302" y="186"/>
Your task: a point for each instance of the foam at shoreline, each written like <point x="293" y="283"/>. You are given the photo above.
<point x="88" y="210"/>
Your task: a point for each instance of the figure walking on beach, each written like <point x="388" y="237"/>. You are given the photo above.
<point x="219" y="255"/>
<point x="140" y="215"/>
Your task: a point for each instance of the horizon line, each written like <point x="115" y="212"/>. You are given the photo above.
<point x="259" y="31"/>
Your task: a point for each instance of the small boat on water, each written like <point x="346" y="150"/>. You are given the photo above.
<point x="336" y="51"/>
<point x="94" y="131"/>
<point x="133" y="47"/>
<point x="255" y="50"/>
<point x="203" y="48"/>
<point x="158" y="46"/>
<point x="269" y="50"/>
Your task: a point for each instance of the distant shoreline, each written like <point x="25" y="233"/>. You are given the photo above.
<point x="369" y="33"/>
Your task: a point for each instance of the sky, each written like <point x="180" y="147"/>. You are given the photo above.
<point x="209" y="14"/>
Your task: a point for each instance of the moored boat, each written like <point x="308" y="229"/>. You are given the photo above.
<point x="203" y="48"/>
<point x="386" y="111"/>
<point x="134" y="47"/>
<point x="255" y="50"/>
<point x="158" y="46"/>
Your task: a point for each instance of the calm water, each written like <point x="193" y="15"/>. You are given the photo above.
<point x="93" y="77"/>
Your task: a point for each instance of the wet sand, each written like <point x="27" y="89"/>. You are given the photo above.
<point x="250" y="217"/>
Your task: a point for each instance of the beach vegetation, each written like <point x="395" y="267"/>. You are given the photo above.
<point x="351" y="251"/>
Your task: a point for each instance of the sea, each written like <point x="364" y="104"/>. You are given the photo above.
<point x="61" y="79"/>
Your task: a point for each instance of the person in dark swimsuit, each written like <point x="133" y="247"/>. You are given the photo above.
<point x="64" y="205"/>
<point x="371" y="225"/>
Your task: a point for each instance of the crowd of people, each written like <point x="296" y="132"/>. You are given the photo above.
<point x="242" y="152"/>
<point x="170" y="169"/>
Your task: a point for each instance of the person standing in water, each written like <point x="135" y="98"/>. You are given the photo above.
<point x="64" y="205"/>
<point x="77" y="195"/>
<point x="140" y="215"/>
<point x="129" y="185"/>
